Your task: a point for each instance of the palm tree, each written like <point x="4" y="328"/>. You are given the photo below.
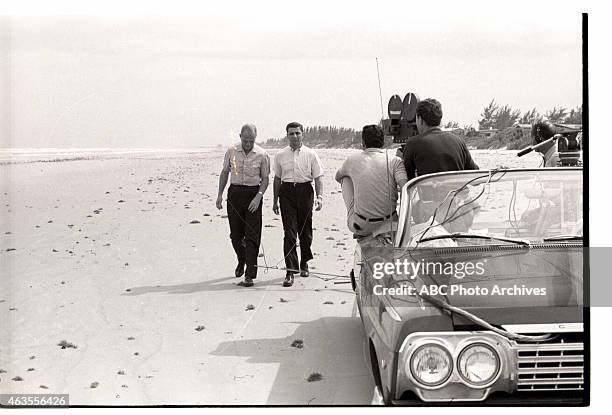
<point x="529" y="117"/>
<point x="488" y="116"/>
<point x="556" y="115"/>
<point x="574" y="116"/>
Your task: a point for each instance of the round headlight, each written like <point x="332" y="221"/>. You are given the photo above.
<point x="431" y="364"/>
<point x="478" y="364"/>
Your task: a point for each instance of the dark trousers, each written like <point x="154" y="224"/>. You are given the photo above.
<point x="296" y="204"/>
<point x="245" y="226"/>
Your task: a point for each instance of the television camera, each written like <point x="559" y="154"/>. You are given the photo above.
<point x="401" y="123"/>
<point x="568" y="140"/>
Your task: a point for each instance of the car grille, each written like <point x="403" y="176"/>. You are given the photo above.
<point x="552" y="366"/>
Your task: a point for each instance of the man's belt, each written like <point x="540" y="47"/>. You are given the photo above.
<point x="376" y="219"/>
<point x="246" y="186"/>
<point x="296" y="184"/>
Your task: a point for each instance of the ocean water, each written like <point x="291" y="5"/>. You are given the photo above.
<point x="486" y="159"/>
<point x="31" y="155"/>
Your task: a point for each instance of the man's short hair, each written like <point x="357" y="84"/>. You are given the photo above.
<point x="372" y="136"/>
<point x="294" y="125"/>
<point x="250" y="128"/>
<point x="430" y="110"/>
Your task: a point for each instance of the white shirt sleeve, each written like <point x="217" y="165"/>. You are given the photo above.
<point x="226" y="160"/>
<point x="342" y="172"/>
<point x="277" y="166"/>
<point x="317" y="169"/>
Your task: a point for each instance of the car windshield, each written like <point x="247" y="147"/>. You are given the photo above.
<point x="496" y="207"/>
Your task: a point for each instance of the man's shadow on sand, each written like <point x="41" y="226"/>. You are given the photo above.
<point x="217" y="284"/>
<point x="262" y="282"/>
<point x="335" y="347"/>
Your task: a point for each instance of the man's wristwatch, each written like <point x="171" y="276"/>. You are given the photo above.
<point x="260" y="193"/>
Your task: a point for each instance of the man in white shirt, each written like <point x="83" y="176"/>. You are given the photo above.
<point x="370" y="182"/>
<point x="295" y="168"/>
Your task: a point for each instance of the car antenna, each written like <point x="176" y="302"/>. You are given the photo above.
<point x="382" y="116"/>
<point x="382" y="113"/>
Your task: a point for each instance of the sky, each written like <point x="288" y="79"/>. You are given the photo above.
<point x="136" y="80"/>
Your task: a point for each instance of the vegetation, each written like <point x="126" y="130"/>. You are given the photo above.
<point x="324" y="137"/>
<point x="513" y="128"/>
<point x="510" y="129"/>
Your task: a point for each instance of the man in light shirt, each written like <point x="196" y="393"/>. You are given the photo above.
<point x="249" y="166"/>
<point x="370" y="182"/>
<point x="295" y="168"/>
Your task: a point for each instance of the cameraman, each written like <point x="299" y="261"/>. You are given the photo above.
<point x="542" y="131"/>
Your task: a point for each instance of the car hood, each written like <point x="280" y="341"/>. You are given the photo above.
<point x="540" y="284"/>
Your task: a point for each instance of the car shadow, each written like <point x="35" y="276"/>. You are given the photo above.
<point x="333" y="347"/>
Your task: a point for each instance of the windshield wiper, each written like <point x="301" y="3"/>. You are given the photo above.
<point x="485" y="324"/>
<point x="563" y="238"/>
<point x="464" y="235"/>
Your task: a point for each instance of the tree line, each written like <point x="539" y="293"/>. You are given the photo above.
<point x="494" y="116"/>
<point x="499" y="117"/>
<point x="324" y="136"/>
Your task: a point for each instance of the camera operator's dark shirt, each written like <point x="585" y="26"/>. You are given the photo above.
<point x="436" y="151"/>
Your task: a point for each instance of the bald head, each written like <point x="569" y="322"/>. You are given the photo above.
<point x="249" y="129"/>
<point x="248" y="133"/>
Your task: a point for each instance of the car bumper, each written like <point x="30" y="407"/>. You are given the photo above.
<point x="505" y="399"/>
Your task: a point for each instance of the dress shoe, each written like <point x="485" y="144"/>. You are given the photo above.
<point x="304" y="272"/>
<point x="248" y="282"/>
<point x="239" y="270"/>
<point x="288" y="280"/>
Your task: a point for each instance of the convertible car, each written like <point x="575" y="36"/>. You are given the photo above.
<point x="476" y="293"/>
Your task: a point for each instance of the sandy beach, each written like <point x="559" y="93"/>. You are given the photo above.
<point x="117" y="288"/>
